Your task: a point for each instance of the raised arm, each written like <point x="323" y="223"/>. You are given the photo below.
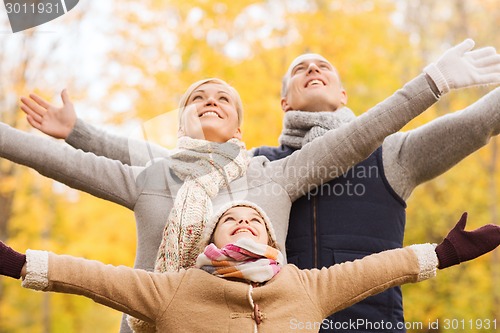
<point x="334" y="153"/>
<point x="99" y="176"/>
<point x="126" y="150"/>
<point x="142" y="294"/>
<point x="351" y="282"/>
<point x="416" y="156"/>
<point x="342" y="285"/>
<point x="62" y="123"/>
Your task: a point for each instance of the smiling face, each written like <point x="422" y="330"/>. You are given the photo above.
<point x="211" y="112"/>
<point x="240" y="222"/>
<point x="312" y="84"/>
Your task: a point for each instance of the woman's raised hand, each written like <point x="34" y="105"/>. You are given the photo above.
<point x="57" y="122"/>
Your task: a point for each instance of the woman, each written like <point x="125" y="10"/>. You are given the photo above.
<point x="240" y="283"/>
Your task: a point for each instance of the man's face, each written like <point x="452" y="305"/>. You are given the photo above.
<point x="313" y="85"/>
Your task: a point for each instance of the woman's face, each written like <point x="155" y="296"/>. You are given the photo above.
<point x="210" y="114"/>
<point x="240" y="222"/>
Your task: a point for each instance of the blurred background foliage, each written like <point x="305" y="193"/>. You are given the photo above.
<point x="127" y="62"/>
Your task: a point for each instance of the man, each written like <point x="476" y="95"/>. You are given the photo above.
<point x="363" y="211"/>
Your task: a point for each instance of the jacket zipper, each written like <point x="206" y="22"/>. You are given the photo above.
<point x="315" y="234"/>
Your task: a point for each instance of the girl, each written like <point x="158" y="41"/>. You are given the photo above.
<point x="240" y="283"/>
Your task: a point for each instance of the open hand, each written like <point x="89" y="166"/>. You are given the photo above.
<point x="461" y="67"/>
<point x="57" y="122"/>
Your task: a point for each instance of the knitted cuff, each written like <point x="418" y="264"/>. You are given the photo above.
<point x="11" y="262"/>
<point x="437" y="76"/>
<point x="427" y="260"/>
<point x="78" y="133"/>
<point x="447" y="254"/>
<point x="37" y="270"/>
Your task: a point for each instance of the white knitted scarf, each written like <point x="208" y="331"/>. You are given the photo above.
<point x="301" y="127"/>
<point x="205" y="167"/>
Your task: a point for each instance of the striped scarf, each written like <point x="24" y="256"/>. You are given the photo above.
<point x="245" y="259"/>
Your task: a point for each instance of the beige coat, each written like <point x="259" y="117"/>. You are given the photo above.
<point x="195" y="301"/>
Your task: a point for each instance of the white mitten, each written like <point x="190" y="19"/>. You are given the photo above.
<point x="459" y="67"/>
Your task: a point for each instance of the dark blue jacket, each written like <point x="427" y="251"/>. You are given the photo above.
<point x="348" y="218"/>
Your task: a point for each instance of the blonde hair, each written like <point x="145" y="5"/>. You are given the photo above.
<point x="233" y="92"/>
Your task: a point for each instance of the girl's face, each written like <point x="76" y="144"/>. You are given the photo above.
<point x="240" y="222"/>
<point x="210" y="114"/>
